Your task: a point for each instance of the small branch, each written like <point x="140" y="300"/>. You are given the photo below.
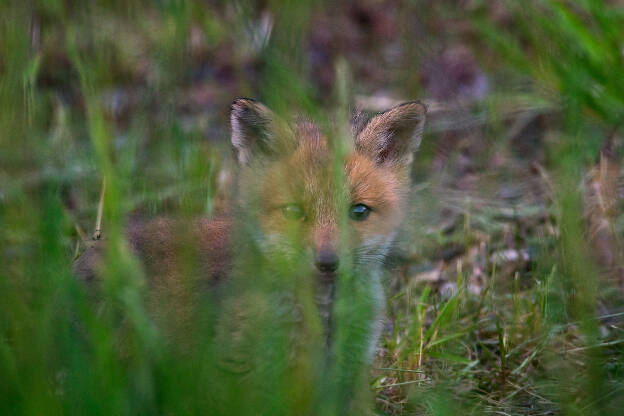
<point x="404" y="383"/>
<point x="589" y="347"/>
<point x="398" y="369"/>
<point x="98" y="222"/>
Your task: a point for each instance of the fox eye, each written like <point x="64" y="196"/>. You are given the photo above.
<point x="293" y="212"/>
<point x="359" y="212"/>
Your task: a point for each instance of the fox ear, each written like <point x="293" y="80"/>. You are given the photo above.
<point x="256" y="130"/>
<point x="393" y="136"/>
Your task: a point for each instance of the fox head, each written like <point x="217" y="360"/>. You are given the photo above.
<point x="337" y="201"/>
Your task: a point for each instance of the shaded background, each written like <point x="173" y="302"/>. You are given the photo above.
<point x="505" y="291"/>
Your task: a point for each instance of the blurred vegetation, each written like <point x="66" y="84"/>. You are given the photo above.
<point x="504" y="293"/>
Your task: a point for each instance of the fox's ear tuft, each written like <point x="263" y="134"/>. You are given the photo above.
<point x="255" y="129"/>
<point x="393" y="136"/>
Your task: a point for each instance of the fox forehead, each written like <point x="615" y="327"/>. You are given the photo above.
<point x="309" y="176"/>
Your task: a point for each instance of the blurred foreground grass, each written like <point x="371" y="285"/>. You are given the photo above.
<point x="506" y="290"/>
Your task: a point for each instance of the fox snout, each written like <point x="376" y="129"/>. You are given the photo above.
<point x="326" y="260"/>
<point x="325" y="249"/>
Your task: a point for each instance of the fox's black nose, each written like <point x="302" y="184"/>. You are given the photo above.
<point x="327" y="261"/>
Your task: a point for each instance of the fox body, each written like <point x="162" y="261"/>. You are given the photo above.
<point x="334" y="203"/>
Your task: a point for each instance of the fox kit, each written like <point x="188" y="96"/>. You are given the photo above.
<point x="333" y="203"/>
<point x="339" y="200"/>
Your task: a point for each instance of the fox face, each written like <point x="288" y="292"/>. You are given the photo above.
<point x="333" y="202"/>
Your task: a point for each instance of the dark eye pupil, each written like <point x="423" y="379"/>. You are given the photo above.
<point x="359" y="212"/>
<point x="292" y="212"/>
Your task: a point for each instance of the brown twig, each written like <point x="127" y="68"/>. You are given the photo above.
<point x="98" y="222"/>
